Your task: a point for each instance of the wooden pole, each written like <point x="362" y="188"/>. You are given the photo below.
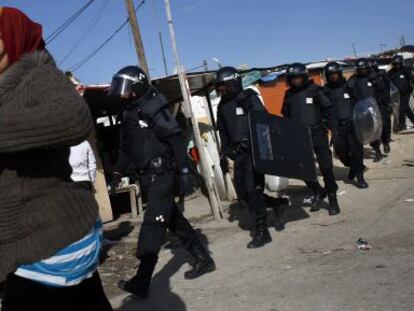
<point x="137" y="36"/>
<point x="215" y="203"/>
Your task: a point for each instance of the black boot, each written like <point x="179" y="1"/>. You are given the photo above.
<point x="203" y="263"/>
<point x="351" y="174"/>
<point x="280" y="206"/>
<point x="378" y="155"/>
<point x="261" y="236"/>
<point x="139" y="285"/>
<point x="387" y="148"/>
<point x="316" y="200"/>
<point x="361" y="182"/>
<point x="333" y="204"/>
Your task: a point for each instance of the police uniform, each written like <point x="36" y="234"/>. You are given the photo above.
<point x="152" y="142"/>
<point x="309" y="106"/>
<point x="371" y="86"/>
<point x="403" y="79"/>
<point x="346" y="144"/>
<point x="233" y="126"/>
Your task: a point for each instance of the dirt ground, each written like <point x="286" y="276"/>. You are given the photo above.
<point x="313" y="262"/>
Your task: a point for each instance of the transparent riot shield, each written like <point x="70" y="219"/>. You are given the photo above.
<point x="281" y="147"/>
<point x="367" y="120"/>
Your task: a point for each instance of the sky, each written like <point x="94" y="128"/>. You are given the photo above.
<point x="260" y="33"/>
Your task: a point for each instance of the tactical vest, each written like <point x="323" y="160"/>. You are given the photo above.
<point x="304" y="106"/>
<point x="364" y="87"/>
<point x="401" y="80"/>
<point x="235" y="118"/>
<point x="138" y="137"/>
<point x="341" y="101"/>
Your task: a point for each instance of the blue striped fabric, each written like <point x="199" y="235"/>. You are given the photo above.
<point x="71" y="265"/>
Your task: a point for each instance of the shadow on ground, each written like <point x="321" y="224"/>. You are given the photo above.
<point x="162" y="296"/>
<point x="295" y="212"/>
<point x="113" y="236"/>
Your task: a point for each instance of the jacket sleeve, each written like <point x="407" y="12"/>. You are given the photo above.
<point x="91" y="163"/>
<point x="167" y="129"/>
<point x="387" y="91"/>
<point x="224" y="139"/>
<point x="249" y="100"/>
<point x="123" y="160"/>
<point x="286" y="107"/>
<point x="326" y="109"/>
<point x="256" y="103"/>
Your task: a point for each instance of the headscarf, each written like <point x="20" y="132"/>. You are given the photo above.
<point x="19" y="33"/>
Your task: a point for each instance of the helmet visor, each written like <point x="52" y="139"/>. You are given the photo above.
<point x="121" y="85"/>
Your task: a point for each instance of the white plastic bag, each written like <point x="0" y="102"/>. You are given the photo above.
<point x="276" y="183"/>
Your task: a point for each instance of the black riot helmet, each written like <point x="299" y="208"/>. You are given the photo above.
<point x="296" y="70"/>
<point x="374" y="64"/>
<point x="333" y="67"/>
<point x="231" y="79"/>
<point x="362" y="67"/>
<point x="333" y="73"/>
<point x="362" y="63"/>
<point x="130" y="79"/>
<point x="397" y="59"/>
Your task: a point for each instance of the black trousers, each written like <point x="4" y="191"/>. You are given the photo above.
<point x="405" y="110"/>
<point x="25" y="295"/>
<point x="87" y="185"/>
<point x="386" y="128"/>
<point x="324" y="157"/>
<point x="161" y="214"/>
<point x="348" y="148"/>
<point x="249" y="186"/>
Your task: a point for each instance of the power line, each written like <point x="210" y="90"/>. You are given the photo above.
<point x="87" y="31"/>
<point x="101" y="46"/>
<point x="66" y="24"/>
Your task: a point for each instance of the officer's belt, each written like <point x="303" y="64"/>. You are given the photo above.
<point x="158" y="166"/>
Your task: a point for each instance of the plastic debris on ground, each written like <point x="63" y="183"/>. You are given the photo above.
<point x="363" y="244"/>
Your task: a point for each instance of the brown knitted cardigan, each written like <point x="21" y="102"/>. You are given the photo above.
<point x="41" y="209"/>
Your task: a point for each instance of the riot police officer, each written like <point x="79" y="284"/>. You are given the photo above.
<point x="403" y="79"/>
<point x="364" y="84"/>
<point x="306" y="103"/>
<point x="233" y="127"/>
<point x="153" y="144"/>
<point x="386" y="107"/>
<point x="347" y="146"/>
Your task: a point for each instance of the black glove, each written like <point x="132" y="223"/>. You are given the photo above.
<point x="187" y="183"/>
<point x="231" y="154"/>
<point x="224" y="165"/>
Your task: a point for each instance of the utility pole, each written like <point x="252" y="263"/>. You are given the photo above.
<point x="163" y="53"/>
<point x="137" y="36"/>
<point x="402" y="41"/>
<point x="354" y="50"/>
<point x="214" y="198"/>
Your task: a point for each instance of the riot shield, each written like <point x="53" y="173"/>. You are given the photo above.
<point x="367" y="120"/>
<point x="281" y="147"/>
<point x="395" y="105"/>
